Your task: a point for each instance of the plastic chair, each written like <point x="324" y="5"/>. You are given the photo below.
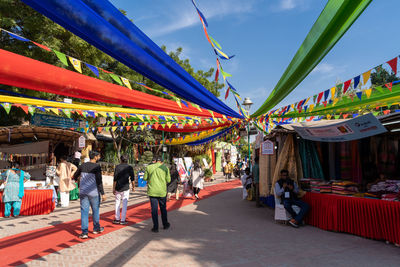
<point x="280" y="212"/>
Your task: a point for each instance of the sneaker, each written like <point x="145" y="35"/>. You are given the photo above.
<point x="167" y="226"/>
<point x="197" y="196"/>
<point x="123" y="222"/>
<point x="154" y="230"/>
<point x="116" y="222"/>
<point x="293" y="223"/>
<point x="83" y="236"/>
<point x="98" y="231"/>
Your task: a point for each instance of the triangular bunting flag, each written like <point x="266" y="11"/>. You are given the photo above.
<point x="326" y="94"/>
<point x="393" y="64"/>
<point x="389" y="86"/>
<point x="76" y="64"/>
<point x="368" y="92"/>
<point x="115" y="78"/>
<point x="359" y="95"/>
<point x="346" y="86"/>
<point x="333" y="91"/>
<point x="126" y="82"/>
<point x="356" y="81"/>
<point x="315" y="98"/>
<point x="325" y="103"/>
<point x="31" y="110"/>
<point x="61" y="57"/>
<point x="320" y="95"/>
<point x="366" y="76"/>
<point x="94" y="69"/>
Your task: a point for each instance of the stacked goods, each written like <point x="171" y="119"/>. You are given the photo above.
<point x="314" y="185"/>
<point x="387" y="190"/>
<point x="325" y="187"/>
<point x="304" y="184"/>
<point x="344" y="188"/>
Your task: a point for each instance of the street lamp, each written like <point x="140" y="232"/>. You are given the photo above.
<point x="247" y="105"/>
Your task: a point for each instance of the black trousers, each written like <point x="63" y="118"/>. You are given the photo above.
<point x="196" y="190"/>
<point x="155" y="202"/>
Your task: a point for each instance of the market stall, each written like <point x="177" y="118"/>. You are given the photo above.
<point x="34" y="202"/>
<point x="352" y="186"/>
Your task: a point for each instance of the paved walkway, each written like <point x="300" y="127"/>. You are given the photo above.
<point x="223" y="230"/>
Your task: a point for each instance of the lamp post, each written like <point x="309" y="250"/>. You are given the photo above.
<point x="247" y="105"/>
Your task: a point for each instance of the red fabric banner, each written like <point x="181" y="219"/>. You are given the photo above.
<point x="20" y="71"/>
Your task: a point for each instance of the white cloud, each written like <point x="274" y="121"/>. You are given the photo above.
<point x="323" y="68"/>
<point x="179" y="17"/>
<point x="285" y="5"/>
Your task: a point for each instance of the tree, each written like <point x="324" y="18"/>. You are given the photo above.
<point x="382" y="76"/>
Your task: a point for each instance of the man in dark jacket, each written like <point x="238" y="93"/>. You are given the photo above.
<point x="90" y="191"/>
<point x="287" y="190"/>
<point x="122" y="174"/>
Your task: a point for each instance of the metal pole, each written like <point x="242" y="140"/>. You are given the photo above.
<point x="248" y="143"/>
<point x="162" y="147"/>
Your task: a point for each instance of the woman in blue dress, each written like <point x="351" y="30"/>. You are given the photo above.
<point x="14" y="179"/>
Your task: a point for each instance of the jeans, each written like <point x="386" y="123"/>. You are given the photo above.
<point x="94" y="203"/>
<point x="15" y="204"/>
<point x="304" y="207"/>
<point x="155" y="201"/>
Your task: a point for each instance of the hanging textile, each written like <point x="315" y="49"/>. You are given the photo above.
<point x="356" y="168"/>
<point x="267" y="168"/>
<point x="345" y="161"/>
<point x="288" y="159"/>
<point x="310" y="161"/>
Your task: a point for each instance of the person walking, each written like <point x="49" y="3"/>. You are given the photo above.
<point x="256" y="179"/>
<point x="197" y="178"/>
<point x="14" y="179"/>
<point x="90" y="192"/>
<point x="122" y="174"/>
<point x="52" y="179"/>
<point x="158" y="176"/>
<point x="65" y="171"/>
<point x="172" y="186"/>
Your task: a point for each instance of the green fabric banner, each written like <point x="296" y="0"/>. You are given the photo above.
<point x="333" y="22"/>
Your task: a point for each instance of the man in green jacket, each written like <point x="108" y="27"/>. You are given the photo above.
<point x="157" y="177"/>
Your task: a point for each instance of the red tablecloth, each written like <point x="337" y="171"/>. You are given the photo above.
<point x="34" y="202"/>
<point x="372" y="218"/>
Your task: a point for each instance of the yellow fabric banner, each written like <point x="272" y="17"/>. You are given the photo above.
<point x="76" y="63"/>
<point x="366" y="76"/>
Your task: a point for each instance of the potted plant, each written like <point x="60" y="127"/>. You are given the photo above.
<point x="208" y="175"/>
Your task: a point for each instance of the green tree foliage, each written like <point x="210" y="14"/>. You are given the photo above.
<point x="382" y="76"/>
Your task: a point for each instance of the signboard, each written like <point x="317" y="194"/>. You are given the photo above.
<point x="181" y="168"/>
<point x="267" y="148"/>
<point x="357" y="128"/>
<point x="53" y="121"/>
<point x="188" y="163"/>
<point x="81" y="141"/>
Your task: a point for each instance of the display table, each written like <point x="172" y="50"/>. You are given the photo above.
<point x="34" y="202"/>
<point x="371" y="218"/>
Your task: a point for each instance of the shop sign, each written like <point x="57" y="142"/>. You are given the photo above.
<point x="357" y="128"/>
<point x="81" y="141"/>
<point x="53" y="121"/>
<point x="267" y="148"/>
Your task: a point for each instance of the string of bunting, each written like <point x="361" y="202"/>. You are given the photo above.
<point x="77" y="65"/>
<point x="338" y="92"/>
<point x="219" y="54"/>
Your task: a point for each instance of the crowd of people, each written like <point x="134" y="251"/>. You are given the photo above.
<point x="162" y="183"/>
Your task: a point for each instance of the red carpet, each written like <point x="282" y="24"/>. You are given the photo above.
<point x="27" y="246"/>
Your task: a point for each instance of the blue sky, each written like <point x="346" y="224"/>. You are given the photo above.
<point x="264" y="35"/>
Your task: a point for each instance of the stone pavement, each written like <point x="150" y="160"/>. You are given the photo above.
<point x="12" y="226"/>
<point x="224" y="230"/>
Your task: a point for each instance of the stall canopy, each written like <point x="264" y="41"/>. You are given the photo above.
<point x="332" y="23"/>
<point x="102" y="25"/>
<point x="18" y="134"/>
